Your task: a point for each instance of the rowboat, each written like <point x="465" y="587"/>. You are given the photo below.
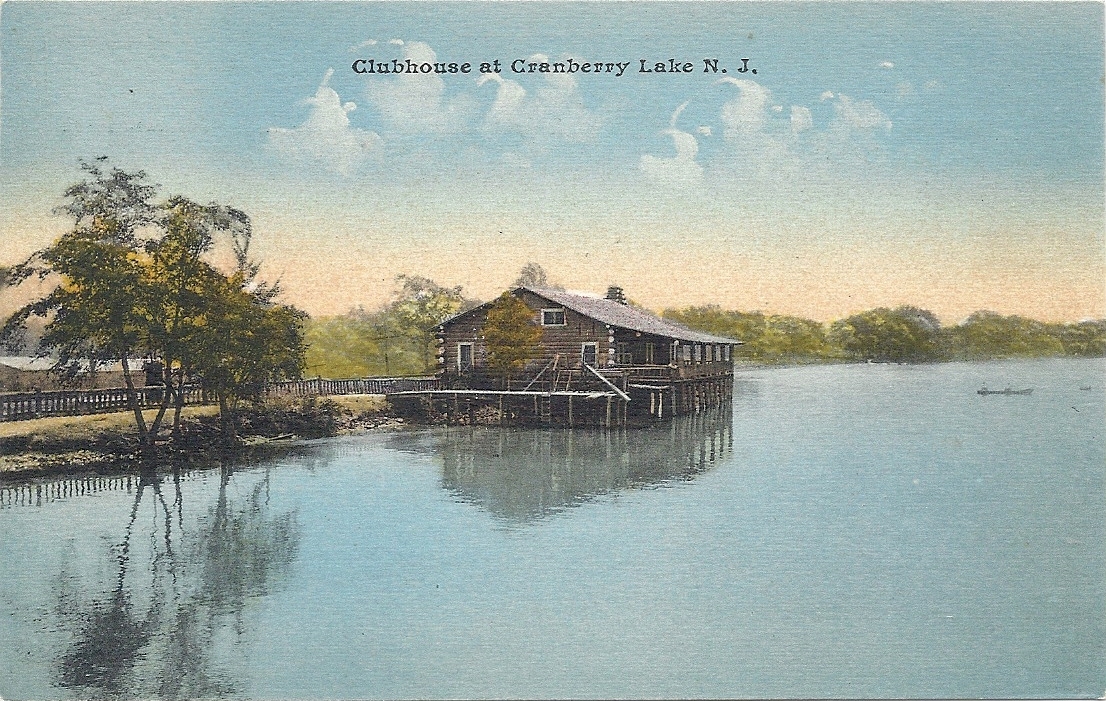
<point x="986" y="391"/>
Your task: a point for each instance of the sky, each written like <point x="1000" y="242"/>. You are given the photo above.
<point x="944" y="155"/>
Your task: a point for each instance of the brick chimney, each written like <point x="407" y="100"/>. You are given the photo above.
<point x="615" y="293"/>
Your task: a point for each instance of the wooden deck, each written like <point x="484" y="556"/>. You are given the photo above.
<point x="610" y="396"/>
<point x="488" y="406"/>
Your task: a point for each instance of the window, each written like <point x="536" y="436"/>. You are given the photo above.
<point x="464" y="357"/>
<point x="686" y="353"/>
<point x="726" y="353"/>
<point x="552" y="317"/>
<point x="698" y="353"/>
<point x="588" y="353"/>
<point x="650" y="352"/>
<point x="623" y="355"/>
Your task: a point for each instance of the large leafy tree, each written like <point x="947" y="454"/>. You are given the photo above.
<point x="135" y="282"/>
<point x="511" y="336"/>
<point x="97" y="267"/>
<point x="419" y="305"/>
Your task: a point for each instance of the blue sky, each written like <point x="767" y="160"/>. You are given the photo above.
<point x="947" y="155"/>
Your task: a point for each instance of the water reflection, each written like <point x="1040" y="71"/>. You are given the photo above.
<point x="178" y="579"/>
<point x="522" y="475"/>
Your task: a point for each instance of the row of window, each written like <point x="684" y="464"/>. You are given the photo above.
<point x="589" y="354"/>
<point x="700" y="354"/>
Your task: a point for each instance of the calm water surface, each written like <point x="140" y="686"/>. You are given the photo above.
<point x="861" y="531"/>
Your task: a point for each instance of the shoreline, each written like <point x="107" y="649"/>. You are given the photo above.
<point x="105" y="444"/>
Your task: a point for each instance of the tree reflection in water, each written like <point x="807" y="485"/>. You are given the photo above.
<point x="154" y="632"/>
<point x="522" y="475"/>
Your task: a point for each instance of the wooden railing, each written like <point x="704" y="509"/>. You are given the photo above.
<point x="357" y="385"/>
<point x="17" y="406"/>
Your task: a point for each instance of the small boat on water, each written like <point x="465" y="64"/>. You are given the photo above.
<point x="986" y="391"/>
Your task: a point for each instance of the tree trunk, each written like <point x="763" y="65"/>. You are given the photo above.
<point x="226" y="422"/>
<point x="136" y="406"/>
<point x="178" y="406"/>
<point x="166" y="395"/>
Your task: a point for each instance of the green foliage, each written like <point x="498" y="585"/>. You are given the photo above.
<point x="135" y="282"/>
<point x="985" y="335"/>
<point x="1087" y="339"/>
<point x="765" y="339"/>
<point x="396" y="340"/>
<point x="510" y="335"/>
<point x="419" y="305"/>
<point x="343" y="346"/>
<point x="904" y="334"/>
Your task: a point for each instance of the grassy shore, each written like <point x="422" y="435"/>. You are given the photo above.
<point x="108" y="442"/>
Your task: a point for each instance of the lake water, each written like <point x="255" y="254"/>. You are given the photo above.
<point x="859" y="531"/>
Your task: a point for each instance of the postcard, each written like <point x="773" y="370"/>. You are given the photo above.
<point x="552" y="350"/>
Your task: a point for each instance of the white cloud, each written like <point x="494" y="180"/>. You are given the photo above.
<point x="745" y="114"/>
<point x="681" y="169"/>
<point x="886" y="64"/>
<point x="801" y="119"/>
<point x="827" y="95"/>
<point x="862" y="115"/>
<point x="676" y="115"/>
<point x="365" y="44"/>
<point x="415" y="103"/>
<point x="554" y="111"/>
<point x="326" y="138"/>
<point x="704" y="130"/>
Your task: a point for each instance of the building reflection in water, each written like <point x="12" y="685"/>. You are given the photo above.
<point x="522" y="475"/>
<point x="177" y="581"/>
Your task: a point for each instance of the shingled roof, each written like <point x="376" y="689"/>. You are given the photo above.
<point x="618" y="314"/>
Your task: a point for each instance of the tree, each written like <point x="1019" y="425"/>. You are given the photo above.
<point x="767" y="339"/>
<point x="986" y="334"/>
<point x="345" y="346"/>
<point x="135" y="282"/>
<point x="533" y="275"/>
<point x="904" y="334"/>
<point x="248" y="342"/>
<point x="97" y="265"/>
<point x="510" y="336"/>
<point x="1087" y="339"/>
<point x="420" y="304"/>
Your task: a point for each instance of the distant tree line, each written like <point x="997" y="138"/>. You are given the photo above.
<point x="904" y="334"/>
<point x="399" y="339"/>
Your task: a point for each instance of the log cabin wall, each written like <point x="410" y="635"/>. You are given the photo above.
<point x="564" y="333"/>
<point x="566" y="339"/>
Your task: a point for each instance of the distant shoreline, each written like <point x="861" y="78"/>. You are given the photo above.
<point x="105" y="444"/>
